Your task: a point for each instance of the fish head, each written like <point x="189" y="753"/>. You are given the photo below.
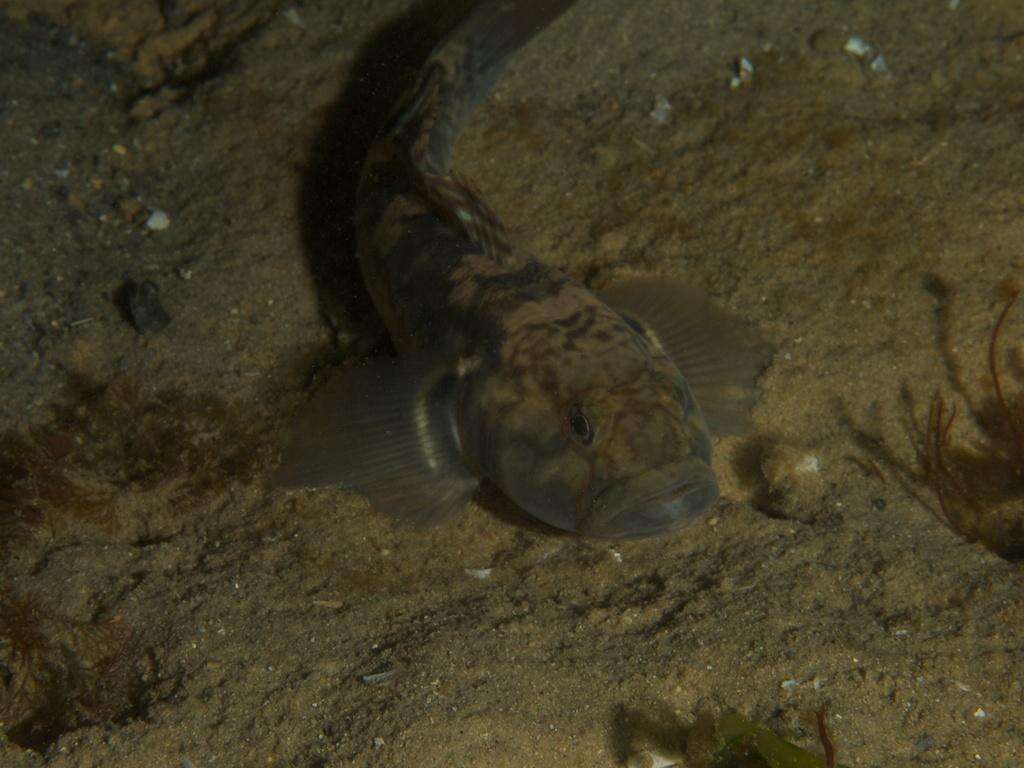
<point x="649" y="456"/>
<point x="596" y="432"/>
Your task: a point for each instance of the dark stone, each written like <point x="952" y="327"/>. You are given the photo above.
<point x="141" y="305"/>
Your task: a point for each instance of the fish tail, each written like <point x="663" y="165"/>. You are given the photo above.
<point x="461" y="72"/>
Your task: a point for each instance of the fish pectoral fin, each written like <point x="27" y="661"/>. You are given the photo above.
<point x="388" y="430"/>
<point x="720" y="357"/>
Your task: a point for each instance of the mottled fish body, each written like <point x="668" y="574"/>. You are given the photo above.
<point x="590" y="412"/>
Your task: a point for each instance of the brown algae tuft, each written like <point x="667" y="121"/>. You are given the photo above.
<point x="113" y="444"/>
<point x="57" y="674"/>
<point x="980" y="487"/>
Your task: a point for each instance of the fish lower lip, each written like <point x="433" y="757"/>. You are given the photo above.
<point x="657" y="513"/>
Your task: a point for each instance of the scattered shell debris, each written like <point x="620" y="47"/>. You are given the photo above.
<point x="332" y="604"/>
<point x="292" y="15"/>
<point x="158" y="221"/>
<point x="479" y="573"/>
<point x="859" y="49"/>
<point x="650" y="759"/>
<point x="662" y="107"/>
<point x="376" y="678"/>
<point x="744" y="73"/>
<point x="808" y="464"/>
<point x="856" y="47"/>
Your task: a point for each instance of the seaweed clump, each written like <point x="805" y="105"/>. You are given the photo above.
<point x="733" y="741"/>
<point x="57" y="674"/>
<point x="980" y="487"/>
<point x="117" y="441"/>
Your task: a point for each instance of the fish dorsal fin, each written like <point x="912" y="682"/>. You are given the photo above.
<point x="458" y="202"/>
<point x="388" y="430"/>
<point x="718" y="355"/>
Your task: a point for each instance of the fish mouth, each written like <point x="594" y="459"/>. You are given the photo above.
<point x="627" y="512"/>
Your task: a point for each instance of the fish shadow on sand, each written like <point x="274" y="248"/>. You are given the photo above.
<point x="385" y="66"/>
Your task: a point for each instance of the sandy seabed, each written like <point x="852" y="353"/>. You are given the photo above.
<point x="160" y="607"/>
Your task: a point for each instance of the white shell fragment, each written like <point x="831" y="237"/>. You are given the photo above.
<point x="377" y="678"/>
<point x="856" y="47"/>
<point x="662" y="107"/>
<point x="292" y="15"/>
<point x="479" y="573"/>
<point x="878" y="66"/>
<point x="808" y="464"/>
<point x="650" y="759"/>
<point x="744" y="73"/>
<point x="158" y="221"/>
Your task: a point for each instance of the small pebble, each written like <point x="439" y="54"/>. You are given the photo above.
<point x="129" y="208"/>
<point x="788" y="685"/>
<point x="378" y="742"/>
<point x="145" y="312"/>
<point x="158" y="221"/>
<point x="376" y="678"/>
<point x="879" y="67"/>
<point x="980" y="714"/>
<point x="661" y="109"/>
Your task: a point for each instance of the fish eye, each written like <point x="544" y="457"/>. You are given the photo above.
<point x="580" y="425"/>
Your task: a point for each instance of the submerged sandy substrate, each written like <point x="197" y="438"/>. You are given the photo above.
<point x="862" y="220"/>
